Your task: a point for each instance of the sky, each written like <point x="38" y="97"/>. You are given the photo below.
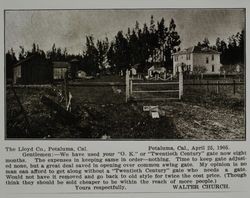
<point x="69" y="28"/>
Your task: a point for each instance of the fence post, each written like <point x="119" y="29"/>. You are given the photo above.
<point x="66" y="89"/>
<point x="180" y="84"/>
<point x="218" y="87"/>
<point x="127" y="85"/>
<point x="234" y="86"/>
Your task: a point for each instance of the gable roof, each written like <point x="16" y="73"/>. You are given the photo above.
<point x="197" y="49"/>
<point x="158" y="69"/>
<point x="23" y="61"/>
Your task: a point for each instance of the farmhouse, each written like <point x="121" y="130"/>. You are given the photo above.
<point x="32" y="70"/>
<point x="198" y="56"/>
<point x="59" y="69"/>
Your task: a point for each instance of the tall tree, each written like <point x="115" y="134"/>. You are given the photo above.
<point x="121" y="52"/>
<point x="102" y="47"/>
<point x="172" y="44"/>
<point x="111" y="56"/>
<point x="91" y="57"/>
<point x="10" y="61"/>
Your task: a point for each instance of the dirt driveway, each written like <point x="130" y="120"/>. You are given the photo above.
<point x="206" y="123"/>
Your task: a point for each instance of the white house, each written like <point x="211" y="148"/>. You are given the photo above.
<point x="197" y="56"/>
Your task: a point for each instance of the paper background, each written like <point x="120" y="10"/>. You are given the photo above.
<point x="243" y="191"/>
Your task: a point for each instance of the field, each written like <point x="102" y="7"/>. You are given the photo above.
<point x="100" y="112"/>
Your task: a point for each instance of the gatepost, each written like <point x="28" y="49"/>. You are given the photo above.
<point x="127" y="85"/>
<point x="180" y="83"/>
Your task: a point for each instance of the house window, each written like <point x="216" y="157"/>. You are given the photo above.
<point x="207" y="61"/>
<point x="212" y="68"/>
<point x="188" y="57"/>
<point x="212" y="57"/>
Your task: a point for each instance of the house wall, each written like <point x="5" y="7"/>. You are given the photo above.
<point x="59" y="73"/>
<point x="36" y="72"/>
<point x="199" y="59"/>
<point x="183" y="58"/>
<point x="17" y="74"/>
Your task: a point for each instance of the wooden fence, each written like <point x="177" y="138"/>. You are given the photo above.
<point x="130" y="91"/>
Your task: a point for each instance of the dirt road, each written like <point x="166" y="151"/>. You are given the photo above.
<point x="206" y="123"/>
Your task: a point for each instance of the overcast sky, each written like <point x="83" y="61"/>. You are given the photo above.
<point x="68" y="28"/>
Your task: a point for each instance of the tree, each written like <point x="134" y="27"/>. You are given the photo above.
<point x="10" y="61"/>
<point x="232" y="51"/>
<point x="52" y="54"/>
<point x="22" y="53"/>
<point x="121" y="49"/>
<point x="91" y="57"/>
<point x="133" y="46"/>
<point x="242" y="47"/>
<point x="111" y="56"/>
<point x="102" y="48"/>
<point x="172" y="43"/>
<point x="205" y="42"/>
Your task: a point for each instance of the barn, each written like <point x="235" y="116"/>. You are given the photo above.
<point x="34" y="69"/>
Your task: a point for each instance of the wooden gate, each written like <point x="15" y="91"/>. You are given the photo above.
<point x="131" y="91"/>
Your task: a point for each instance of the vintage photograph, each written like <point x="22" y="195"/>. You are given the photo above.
<point x="125" y="74"/>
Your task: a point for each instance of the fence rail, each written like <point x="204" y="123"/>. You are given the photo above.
<point x="157" y="83"/>
<point x="156" y="91"/>
<point x="217" y="85"/>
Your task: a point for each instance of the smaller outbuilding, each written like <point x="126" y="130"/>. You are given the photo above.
<point x="81" y="74"/>
<point x="157" y="72"/>
<point x="34" y="69"/>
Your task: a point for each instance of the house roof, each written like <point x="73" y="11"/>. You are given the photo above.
<point x="61" y="64"/>
<point x="197" y="49"/>
<point x="74" y="60"/>
<point x="135" y="66"/>
<point x="23" y="61"/>
<point x="159" y="69"/>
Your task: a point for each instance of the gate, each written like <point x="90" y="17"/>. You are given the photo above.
<point x="163" y="88"/>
